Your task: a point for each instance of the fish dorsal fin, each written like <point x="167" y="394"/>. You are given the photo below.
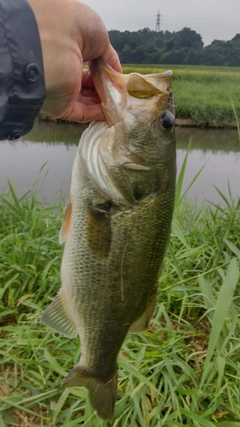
<point x="57" y="317"/>
<point x="138" y="87"/>
<point x="66" y="222"/>
<point x="141" y="324"/>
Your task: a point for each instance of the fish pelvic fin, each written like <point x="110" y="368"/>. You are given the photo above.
<point x="57" y="317"/>
<point x="141" y="324"/>
<point x="102" y="394"/>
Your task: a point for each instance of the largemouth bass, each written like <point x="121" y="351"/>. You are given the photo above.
<point x="116" y="226"/>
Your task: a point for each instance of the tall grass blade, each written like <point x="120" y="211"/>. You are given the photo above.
<point x="222" y="306"/>
<point x="233" y="212"/>
<point x="208" y="297"/>
<point x="179" y="185"/>
<point x="176" y="231"/>
<point x="203" y="422"/>
<point x="236" y="118"/>
<point x="192" y="181"/>
<point x="227" y="424"/>
<point x="181" y="175"/>
<point x="2" y="424"/>
<point x="233" y="248"/>
<point x="222" y="196"/>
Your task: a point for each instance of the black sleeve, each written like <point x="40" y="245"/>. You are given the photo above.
<point x="22" y="86"/>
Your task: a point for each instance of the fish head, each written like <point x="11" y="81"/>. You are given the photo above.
<point x="134" y="97"/>
<point x="132" y="154"/>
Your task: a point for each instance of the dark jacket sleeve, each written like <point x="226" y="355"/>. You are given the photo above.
<point x="22" y="87"/>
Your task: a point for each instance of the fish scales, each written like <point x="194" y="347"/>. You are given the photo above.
<point x="116" y="227"/>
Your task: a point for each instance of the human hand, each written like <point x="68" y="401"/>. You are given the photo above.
<point x="71" y="33"/>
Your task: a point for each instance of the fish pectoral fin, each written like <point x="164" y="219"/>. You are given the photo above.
<point x="57" y="317"/>
<point x="141" y="324"/>
<point x="102" y="394"/>
<point x="99" y="229"/>
<point x="66" y="223"/>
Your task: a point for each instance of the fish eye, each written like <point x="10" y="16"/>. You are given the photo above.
<point x="167" y="121"/>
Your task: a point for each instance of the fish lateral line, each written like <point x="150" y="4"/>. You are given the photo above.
<point x="122" y="281"/>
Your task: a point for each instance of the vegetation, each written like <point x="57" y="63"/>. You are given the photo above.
<point x="204" y="96"/>
<point x="181" y="47"/>
<point x="184" y="370"/>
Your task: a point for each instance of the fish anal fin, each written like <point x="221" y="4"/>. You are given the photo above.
<point x="57" y="317"/>
<point x="102" y="394"/>
<point x="66" y="222"/>
<point x="141" y="324"/>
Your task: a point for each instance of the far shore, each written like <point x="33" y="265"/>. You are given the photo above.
<point x="180" y="122"/>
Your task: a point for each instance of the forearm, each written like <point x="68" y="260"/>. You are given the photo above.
<point x="22" y="87"/>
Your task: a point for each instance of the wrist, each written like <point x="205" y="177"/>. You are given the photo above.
<point x="24" y="89"/>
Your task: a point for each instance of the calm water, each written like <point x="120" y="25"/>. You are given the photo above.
<point x="44" y="158"/>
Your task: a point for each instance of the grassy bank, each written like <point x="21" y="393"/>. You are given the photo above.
<point x="204" y="96"/>
<point x="185" y="370"/>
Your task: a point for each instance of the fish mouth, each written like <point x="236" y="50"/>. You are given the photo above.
<point x="141" y="95"/>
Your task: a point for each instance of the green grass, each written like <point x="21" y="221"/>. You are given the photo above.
<point x="185" y="370"/>
<point x="203" y="95"/>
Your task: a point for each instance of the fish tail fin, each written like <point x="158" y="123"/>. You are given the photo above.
<point x="102" y="394"/>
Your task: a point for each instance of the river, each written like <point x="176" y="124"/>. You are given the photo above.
<point x="43" y="160"/>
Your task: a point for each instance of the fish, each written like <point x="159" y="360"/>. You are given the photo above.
<point x="116" y="226"/>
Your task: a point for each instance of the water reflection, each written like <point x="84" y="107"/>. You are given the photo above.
<point x="219" y="152"/>
<point x="209" y="139"/>
<point x="54" y="146"/>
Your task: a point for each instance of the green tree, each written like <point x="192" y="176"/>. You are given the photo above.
<point x="181" y="47"/>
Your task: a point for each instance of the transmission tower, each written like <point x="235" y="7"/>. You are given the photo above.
<point x="158" y="22"/>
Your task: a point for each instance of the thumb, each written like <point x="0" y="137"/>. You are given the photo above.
<point x="110" y="56"/>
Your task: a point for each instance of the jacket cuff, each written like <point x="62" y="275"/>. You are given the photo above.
<point x="21" y="69"/>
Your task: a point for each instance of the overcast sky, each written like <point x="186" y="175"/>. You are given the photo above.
<point x="212" y="19"/>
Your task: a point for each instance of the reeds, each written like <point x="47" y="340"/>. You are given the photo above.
<point x="185" y="370"/>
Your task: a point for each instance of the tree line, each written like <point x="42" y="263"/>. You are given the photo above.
<point x="182" y="47"/>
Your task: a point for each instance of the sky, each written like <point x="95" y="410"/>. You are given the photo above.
<point x="212" y="19"/>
